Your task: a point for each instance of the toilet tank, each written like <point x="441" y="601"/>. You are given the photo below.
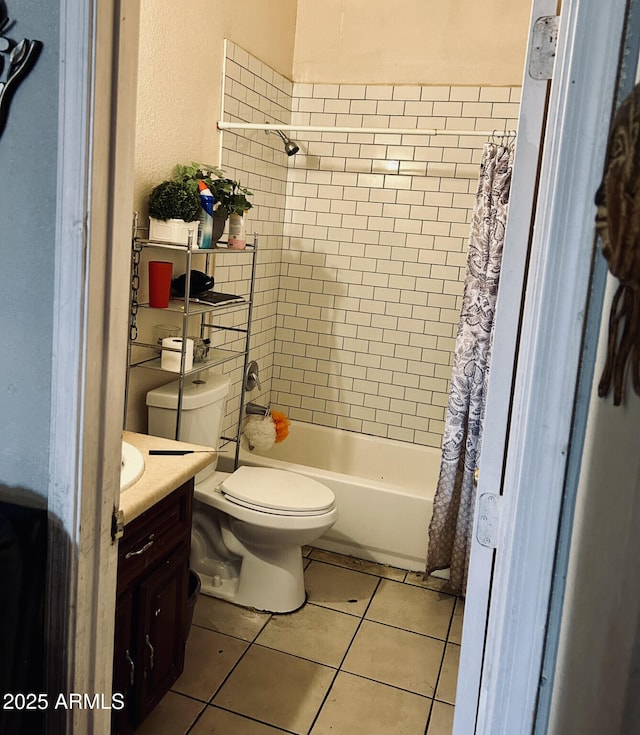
<point x="203" y="401"/>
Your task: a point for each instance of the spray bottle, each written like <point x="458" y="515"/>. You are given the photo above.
<point x="206" y="215"/>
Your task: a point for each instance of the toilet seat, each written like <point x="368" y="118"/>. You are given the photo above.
<point x="277" y="491"/>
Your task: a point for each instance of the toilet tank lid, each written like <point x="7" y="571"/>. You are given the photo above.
<point x="197" y="391"/>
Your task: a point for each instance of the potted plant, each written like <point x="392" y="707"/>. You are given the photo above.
<point x="173" y="210"/>
<point x="231" y="199"/>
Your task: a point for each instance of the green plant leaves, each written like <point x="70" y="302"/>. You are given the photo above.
<point x="230" y="196"/>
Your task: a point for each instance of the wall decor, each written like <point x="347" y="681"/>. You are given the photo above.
<point x="17" y="58"/>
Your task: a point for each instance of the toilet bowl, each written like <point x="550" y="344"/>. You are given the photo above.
<point x="259" y="563"/>
<point x="249" y="525"/>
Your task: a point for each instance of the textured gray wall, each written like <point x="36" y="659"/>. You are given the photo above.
<point x="28" y="161"/>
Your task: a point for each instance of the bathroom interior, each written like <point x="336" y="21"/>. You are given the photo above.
<point x="64" y="380"/>
<point x="359" y="275"/>
<point x="358" y="286"/>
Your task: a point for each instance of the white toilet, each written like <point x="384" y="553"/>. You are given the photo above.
<point x="248" y="526"/>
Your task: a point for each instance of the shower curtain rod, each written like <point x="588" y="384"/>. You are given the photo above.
<point x="222" y="125"/>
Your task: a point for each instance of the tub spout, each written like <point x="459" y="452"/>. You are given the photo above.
<point x="253" y="409"/>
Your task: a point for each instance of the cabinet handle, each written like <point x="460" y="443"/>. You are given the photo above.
<point x="151" y="648"/>
<point x="132" y="675"/>
<point x="148" y="545"/>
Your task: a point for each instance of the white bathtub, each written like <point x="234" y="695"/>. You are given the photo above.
<point x="384" y="489"/>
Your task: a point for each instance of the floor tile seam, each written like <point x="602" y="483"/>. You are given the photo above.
<point x="453" y="612"/>
<point x="267" y="621"/>
<point x="197" y="719"/>
<point x="426" y="730"/>
<point x="444" y="652"/>
<point x="373" y="594"/>
<point x="203" y="702"/>
<point x="440" y="640"/>
<point x="337" y="669"/>
<point x="408" y="630"/>
<point x="326" y="607"/>
<point x="255" y="642"/>
<point x="324" y="700"/>
<point x="427" y="589"/>
<point x="344" y="656"/>
<point x="435" y="688"/>
<point x="229" y="673"/>
<point x="429" y="716"/>
<point x="443" y="701"/>
<point x="248" y="717"/>
<point x="351" y="569"/>
<point x="424" y="587"/>
<point x="355" y="632"/>
<point x="391" y="686"/>
<point x="192" y="699"/>
<point x="295" y="655"/>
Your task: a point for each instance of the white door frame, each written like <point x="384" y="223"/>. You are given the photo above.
<point x="508" y="314"/>
<point x="547" y="367"/>
<point x="98" y="70"/>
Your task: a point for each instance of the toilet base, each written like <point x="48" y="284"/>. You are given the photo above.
<point x="271" y="580"/>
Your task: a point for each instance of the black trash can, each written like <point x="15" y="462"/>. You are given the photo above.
<point x="192" y="598"/>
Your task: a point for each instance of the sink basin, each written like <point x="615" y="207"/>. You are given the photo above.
<point x="132" y="466"/>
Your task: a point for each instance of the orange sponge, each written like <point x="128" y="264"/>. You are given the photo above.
<point x="281" y="422"/>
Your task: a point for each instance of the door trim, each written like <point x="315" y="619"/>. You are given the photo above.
<point x="548" y="362"/>
<point x="95" y="148"/>
<point x="499" y="393"/>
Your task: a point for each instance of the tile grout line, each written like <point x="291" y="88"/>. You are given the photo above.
<point x="346" y="653"/>
<point x="444" y="653"/>
<point x="250" y="643"/>
<point x="209" y="702"/>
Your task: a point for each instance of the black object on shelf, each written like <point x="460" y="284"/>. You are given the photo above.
<point x="198" y="284"/>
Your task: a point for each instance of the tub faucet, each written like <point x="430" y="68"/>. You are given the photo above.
<point x="253" y="409"/>
<point x="251" y="378"/>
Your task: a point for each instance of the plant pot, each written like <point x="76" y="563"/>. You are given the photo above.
<point x="215" y="226"/>
<point x="173" y="230"/>
<point x="219" y="221"/>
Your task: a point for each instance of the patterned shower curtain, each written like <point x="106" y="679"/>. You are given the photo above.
<point x="451" y="525"/>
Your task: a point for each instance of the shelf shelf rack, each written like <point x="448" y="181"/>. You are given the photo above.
<point x="189" y="310"/>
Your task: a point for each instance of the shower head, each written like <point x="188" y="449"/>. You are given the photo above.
<point x="290" y="147"/>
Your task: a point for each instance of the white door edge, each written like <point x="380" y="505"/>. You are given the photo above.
<point x="510" y="296"/>
<point x="548" y="362"/>
<point x="95" y="146"/>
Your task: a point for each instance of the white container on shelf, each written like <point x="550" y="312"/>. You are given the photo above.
<point x="170" y="360"/>
<point x="237" y="238"/>
<point x="173" y="230"/>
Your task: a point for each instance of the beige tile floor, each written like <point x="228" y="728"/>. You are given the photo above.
<point x="374" y="651"/>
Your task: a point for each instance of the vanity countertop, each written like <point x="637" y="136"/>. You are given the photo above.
<point x="162" y="474"/>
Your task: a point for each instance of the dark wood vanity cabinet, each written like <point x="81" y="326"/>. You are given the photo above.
<point x="150" y="622"/>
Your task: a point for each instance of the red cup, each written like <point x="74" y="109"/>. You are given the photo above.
<point x="160" y="273"/>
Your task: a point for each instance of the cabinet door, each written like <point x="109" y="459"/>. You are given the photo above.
<point x="125" y="665"/>
<point x="162" y="613"/>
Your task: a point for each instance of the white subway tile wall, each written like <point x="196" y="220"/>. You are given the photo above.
<point x="255" y="93"/>
<point x="363" y="240"/>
